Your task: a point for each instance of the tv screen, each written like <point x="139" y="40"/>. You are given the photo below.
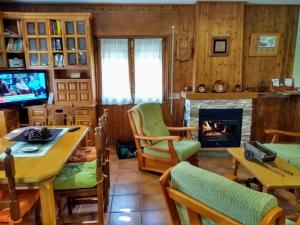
<point x="22" y="88"/>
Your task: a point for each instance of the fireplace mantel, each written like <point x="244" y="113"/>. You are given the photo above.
<point x="213" y="95"/>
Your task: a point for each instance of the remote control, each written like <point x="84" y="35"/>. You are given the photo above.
<point x="71" y="129"/>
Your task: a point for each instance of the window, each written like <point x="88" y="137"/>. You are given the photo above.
<point x="132" y="70"/>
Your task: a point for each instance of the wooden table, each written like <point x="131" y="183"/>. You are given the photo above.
<point x="268" y="178"/>
<point x="40" y="172"/>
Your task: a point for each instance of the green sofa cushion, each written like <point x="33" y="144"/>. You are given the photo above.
<point x="184" y="149"/>
<point x="152" y="121"/>
<point x="232" y="199"/>
<point x="288" y="152"/>
<point x="76" y="176"/>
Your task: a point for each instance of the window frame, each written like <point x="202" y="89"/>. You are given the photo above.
<point x="131" y="64"/>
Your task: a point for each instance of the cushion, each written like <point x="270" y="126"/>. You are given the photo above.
<point x="289" y="152"/>
<point x="240" y="203"/>
<point x="27" y="199"/>
<point x="76" y="176"/>
<point x="84" y="154"/>
<point x="152" y="121"/>
<point x="184" y="149"/>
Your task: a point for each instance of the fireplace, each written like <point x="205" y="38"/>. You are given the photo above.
<point x="220" y="127"/>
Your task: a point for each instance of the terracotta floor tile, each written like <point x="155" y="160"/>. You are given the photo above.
<point x="133" y="218"/>
<point x="128" y="203"/>
<point x="150" y="188"/>
<point x="150" y="177"/>
<point x="128" y="177"/>
<point x="129" y="164"/>
<point x="132" y="188"/>
<point x="153" y="202"/>
<point x="156" y="218"/>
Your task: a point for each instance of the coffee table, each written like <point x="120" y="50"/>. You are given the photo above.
<point x="268" y="176"/>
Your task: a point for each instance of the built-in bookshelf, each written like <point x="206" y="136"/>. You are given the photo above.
<point x="61" y="44"/>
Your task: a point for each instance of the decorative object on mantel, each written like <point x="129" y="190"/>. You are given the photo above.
<point x="237" y="88"/>
<point x="201" y="88"/>
<point x="188" y="88"/>
<point x="264" y="44"/>
<point x="184" y="49"/>
<point x="220" y="46"/>
<point x="220" y="86"/>
<point x="287" y="85"/>
<point x="262" y="86"/>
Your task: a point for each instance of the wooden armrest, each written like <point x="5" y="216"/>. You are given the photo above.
<point x="158" y="138"/>
<point x="286" y="133"/>
<point x="298" y="221"/>
<point x="182" y="128"/>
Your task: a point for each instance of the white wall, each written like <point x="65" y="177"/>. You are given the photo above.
<point x="296" y="73"/>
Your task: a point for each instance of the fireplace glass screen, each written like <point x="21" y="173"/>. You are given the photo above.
<point x="220" y="127"/>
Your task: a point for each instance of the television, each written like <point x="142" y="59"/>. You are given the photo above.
<point x="23" y="88"/>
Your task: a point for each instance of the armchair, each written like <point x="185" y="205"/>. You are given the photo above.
<point x="157" y="149"/>
<point x="288" y="151"/>
<point x="195" y="196"/>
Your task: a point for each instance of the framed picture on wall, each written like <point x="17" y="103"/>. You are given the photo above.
<point x="264" y="44"/>
<point x="220" y="46"/>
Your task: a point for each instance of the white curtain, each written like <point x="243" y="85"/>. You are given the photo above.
<point x="148" y="70"/>
<point x="115" y="72"/>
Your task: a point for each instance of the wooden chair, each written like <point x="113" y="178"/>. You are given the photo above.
<point x="83" y="181"/>
<point x="86" y="154"/>
<point x="105" y="162"/>
<point x="14" y="205"/>
<point x="194" y="195"/>
<point x="157" y="149"/>
<point x="277" y="133"/>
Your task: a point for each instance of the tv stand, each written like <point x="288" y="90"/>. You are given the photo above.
<point x="9" y="121"/>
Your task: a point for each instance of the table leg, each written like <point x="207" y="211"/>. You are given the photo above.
<point x="235" y="166"/>
<point x="47" y="202"/>
<point x="297" y="192"/>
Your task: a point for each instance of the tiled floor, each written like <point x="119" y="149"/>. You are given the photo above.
<point x="136" y="197"/>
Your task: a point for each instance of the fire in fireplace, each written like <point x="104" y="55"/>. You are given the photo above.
<point x="220" y="127"/>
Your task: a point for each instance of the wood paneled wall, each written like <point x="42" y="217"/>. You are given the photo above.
<point x="218" y="19"/>
<point x="281" y="113"/>
<point x="269" y="19"/>
<point x="198" y="23"/>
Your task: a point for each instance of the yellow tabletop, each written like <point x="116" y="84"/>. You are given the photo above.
<point x="40" y="172"/>
<point x="36" y="169"/>
<point x="267" y="177"/>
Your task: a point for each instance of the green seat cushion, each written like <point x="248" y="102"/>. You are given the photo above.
<point x="232" y="199"/>
<point x="289" y="222"/>
<point x="151" y="119"/>
<point x="295" y="163"/>
<point x="76" y="176"/>
<point x="184" y="149"/>
<point x="288" y="152"/>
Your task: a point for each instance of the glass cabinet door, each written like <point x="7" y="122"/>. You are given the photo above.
<point x="37" y="40"/>
<point x="76" y="37"/>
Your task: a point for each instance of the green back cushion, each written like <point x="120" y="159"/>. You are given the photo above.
<point x="152" y="121"/>
<point x="288" y="152"/>
<point x="232" y="199"/>
<point x="76" y="176"/>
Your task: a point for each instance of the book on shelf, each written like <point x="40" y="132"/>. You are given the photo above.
<point x="57" y="44"/>
<point x="56" y="27"/>
<point x="14" y="45"/>
<point x="59" y="60"/>
<point x="10" y="45"/>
